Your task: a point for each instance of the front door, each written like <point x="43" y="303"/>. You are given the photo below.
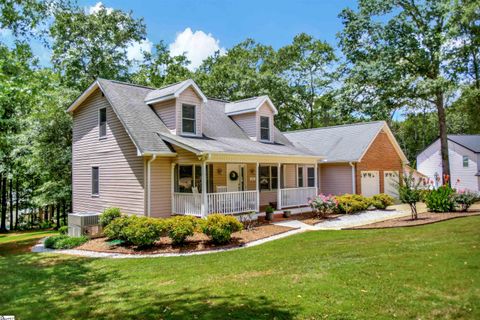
<point x="235" y="174"/>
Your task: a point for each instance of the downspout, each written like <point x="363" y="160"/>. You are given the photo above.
<point x="354" y="185"/>
<point x="149" y="183"/>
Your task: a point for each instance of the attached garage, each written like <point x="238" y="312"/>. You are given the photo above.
<point x="362" y="158"/>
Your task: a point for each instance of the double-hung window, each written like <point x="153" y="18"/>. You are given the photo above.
<point x="300" y="177"/>
<point x="268" y="177"/>
<point x="311" y="177"/>
<point x="264" y="128"/>
<point x="465" y="161"/>
<point x="95" y="181"/>
<point x="102" y="122"/>
<point x="188" y="119"/>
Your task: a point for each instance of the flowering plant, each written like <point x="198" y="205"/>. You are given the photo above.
<point x="324" y="204"/>
<point x="464" y="199"/>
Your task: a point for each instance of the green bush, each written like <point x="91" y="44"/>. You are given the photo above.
<point x="220" y="227"/>
<point x="63" y="230"/>
<point x="109" y="215"/>
<point x="382" y="201"/>
<point x="463" y="199"/>
<point x="181" y="227"/>
<point x="351" y="203"/>
<point x="64" y="242"/>
<point x="440" y="200"/>
<point x="143" y="231"/>
<point x="115" y="229"/>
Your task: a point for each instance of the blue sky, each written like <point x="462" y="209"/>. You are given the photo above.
<point x="201" y="27"/>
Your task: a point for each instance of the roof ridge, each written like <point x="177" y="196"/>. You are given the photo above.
<point x="128" y="83"/>
<point x="336" y="126"/>
<point x="245" y="99"/>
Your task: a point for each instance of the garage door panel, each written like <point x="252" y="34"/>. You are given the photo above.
<point x="390" y="183"/>
<point x="370" y="183"/>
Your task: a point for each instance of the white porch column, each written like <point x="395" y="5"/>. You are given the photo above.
<point x="204" y="189"/>
<point x="316" y="178"/>
<point x="172" y="181"/>
<point x="279" y="190"/>
<point x="257" y="181"/>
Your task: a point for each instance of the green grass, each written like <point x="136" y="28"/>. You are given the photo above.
<point x="425" y="272"/>
<point x="19" y="236"/>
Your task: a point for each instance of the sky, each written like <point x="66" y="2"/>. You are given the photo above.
<point x="199" y="28"/>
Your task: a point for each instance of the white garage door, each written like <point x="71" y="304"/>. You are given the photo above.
<point x="390" y="181"/>
<point x="370" y="183"/>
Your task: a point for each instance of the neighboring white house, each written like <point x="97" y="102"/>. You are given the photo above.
<point x="464" y="155"/>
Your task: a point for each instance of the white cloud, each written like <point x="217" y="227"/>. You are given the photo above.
<point x="97" y="7"/>
<point x="136" y="49"/>
<point x="197" y="46"/>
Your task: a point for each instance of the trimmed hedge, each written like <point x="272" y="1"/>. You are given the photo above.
<point x="220" y="227"/>
<point x="382" y="201"/>
<point x="64" y="242"/>
<point x="351" y="203"/>
<point x="181" y="227"/>
<point x="109" y="215"/>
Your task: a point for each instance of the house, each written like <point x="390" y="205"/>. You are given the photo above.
<point x="362" y="158"/>
<point x="464" y="157"/>
<point x="174" y="151"/>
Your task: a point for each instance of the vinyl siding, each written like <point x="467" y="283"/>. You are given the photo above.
<point x="335" y="178"/>
<point x="121" y="170"/>
<point x="166" y="111"/>
<point x="219" y="179"/>
<point x="161" y="193"/>
<point x="189" y="96"/>
<point x="248" y="123"/>
<point x="289" y="176"/>
<point x="267" y="196"/>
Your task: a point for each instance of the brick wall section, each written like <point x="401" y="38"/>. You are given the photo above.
<point x="381" y="156"/>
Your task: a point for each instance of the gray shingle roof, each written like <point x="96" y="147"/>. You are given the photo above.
<point x="165" y="91"/>
<point x="220" y="133"/>
<point x="471" y="142"/>
<point x="342" y="143"/>
<point x="246" y="105"/>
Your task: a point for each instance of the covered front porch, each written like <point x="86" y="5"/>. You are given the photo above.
<point x="231" y="187"/>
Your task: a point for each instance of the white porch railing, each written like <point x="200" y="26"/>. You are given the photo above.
<point x="232" y="202"/>
<point x="187" y="203"/>
<point x="292" y="197"/>
<point x="220" y="202"/>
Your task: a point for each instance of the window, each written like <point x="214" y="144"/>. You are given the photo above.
<point x="102" y="122"/>
<point x="311" y="177"/>
<point x="300" y="177"/>
<point x="268" y="177"/>
<point x="187" y="177"/>
<point x="265" y="128"/>
<point x="95" y="181"/>
<point x="465" y="161"/>
<point x="188" y="119"/>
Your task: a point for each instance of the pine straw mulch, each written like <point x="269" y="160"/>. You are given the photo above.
<point x="423" y="218"/>
<point x="198" y="242"/>
<point x="306" y="217"/>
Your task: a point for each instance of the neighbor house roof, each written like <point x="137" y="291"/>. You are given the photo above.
<point x="248" y="105"/>
<point x="471" y="142"/>
<point x="344" y="143"/>
<point x="220" y="133"/>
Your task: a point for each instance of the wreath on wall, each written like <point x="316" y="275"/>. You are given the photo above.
<point x="233" y="175"/>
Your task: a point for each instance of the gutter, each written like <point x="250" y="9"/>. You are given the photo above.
<point x="354" y="191"/>
<point x="149" y="183"/>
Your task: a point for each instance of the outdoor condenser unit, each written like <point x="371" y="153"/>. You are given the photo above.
<point x="84" y="224"/>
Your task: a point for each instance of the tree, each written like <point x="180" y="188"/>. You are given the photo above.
<point x="87" y="46"/>
<point x="397" y="49"/>
<point x="159" y="68"/>
<point x="409" y="193"/>
<point x="307" y="65"/>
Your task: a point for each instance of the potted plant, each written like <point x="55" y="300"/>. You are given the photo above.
<point x="269" y="213"/>
<point x="287" y="213"/>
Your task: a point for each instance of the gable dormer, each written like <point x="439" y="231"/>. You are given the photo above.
<point x="255" y="116"/>
<point x="180" y="107"/>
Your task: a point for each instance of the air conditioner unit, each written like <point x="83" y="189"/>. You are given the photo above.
<point x="84" y="224"/>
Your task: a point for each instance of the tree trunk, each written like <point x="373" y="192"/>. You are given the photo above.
<point x="64" y="207"/>
<point x="17" y="203"/>
<point x="11" y="203"/>
<point x="442" y="124"/>
<point x="58" y="217"/>
<point x="3" y="224"/>
<point x="52" y="213"/>
<point x="45" y="215"/>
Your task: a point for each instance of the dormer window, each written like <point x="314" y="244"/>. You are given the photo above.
<point x="264" y="128"/>
<point x="188" y="119"/>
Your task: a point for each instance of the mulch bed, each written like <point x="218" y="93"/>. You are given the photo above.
<point x="423" y="218"/>
<point x="198" y="242"/>
<point x="306" y="217"/>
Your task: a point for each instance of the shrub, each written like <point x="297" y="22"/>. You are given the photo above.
<point x="143" y="231"/>
<point x="115" y="229"/>
<point x="409" y="192"/>
<point x="323" y="204"/>
<point x="441" y="199"/>
<point x="464" y="199"/>
<point x="220" y="227"/>
<point x="181" y="227"/>
<point x="351" y="203"/>
<point x="382" y="201"/>
<point x="45" y="224"/>
<point x="109" y="215"/>
<point x="63" y="230"/>
<point x="269" y="209"/>
<point x="64" y="242"/>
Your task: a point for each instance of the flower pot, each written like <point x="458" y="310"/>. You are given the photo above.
<point x="269" y="216"/>
<point x="287" y="214"/>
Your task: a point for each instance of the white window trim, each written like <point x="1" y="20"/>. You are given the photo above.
<point x="95" y="195"/>
<point x="269" y="179"/>
<point x="312" y="167"/>
<point x="269" y="129"/>
<point x="463" y="161"/>
<point x="193" y="172"/>
<point x="193" y="134"/>
<point x="298" y="176"/>
<point x="100" y="137"/>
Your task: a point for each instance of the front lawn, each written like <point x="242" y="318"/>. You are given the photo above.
<point x="425" y="272"/>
